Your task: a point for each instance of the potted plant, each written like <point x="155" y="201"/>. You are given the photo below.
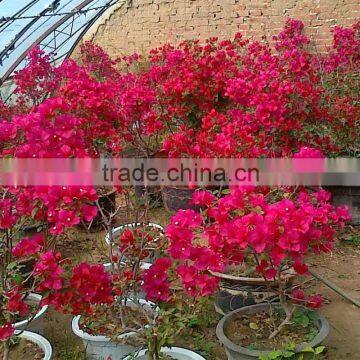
<point x="111" y="316"/>
<point x="145" y="238"/>
<point x="28" y="345"/>
<point x="22" y="293"/>
<point x="240" y="282"/>
<point x="242" y="269"/>
<point x="22" y="308"/>
<point x="166" y="284"/>
<point x="338" y="136"/>
<point x="192" y="112"/>
<point x="278" y="231"/>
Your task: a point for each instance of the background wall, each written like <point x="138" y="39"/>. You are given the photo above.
<point x="140" y="25"/>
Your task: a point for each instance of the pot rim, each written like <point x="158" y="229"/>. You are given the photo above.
<point x="143" y="265"/>
<point x="323" y="326"/>
<point x="101" y="338"/>
<point x="132" y="225"/>
<point x="39" y="340"/>
<point x="288" y="275"/>
<point x="40" y="313"/>
<point x="194" y="355"/>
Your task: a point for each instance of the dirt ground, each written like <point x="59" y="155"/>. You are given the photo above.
<point x="342" y="267"/>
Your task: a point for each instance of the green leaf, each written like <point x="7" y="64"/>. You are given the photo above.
<point x="319" y="350"/>
<point x="313" y="315"/>
<point x="301" y="319"/>
<point x="274" y="355"/>
<point x="288" y="354"/>
<point x="17" y="278"/>
<point x="11" y="265"/>
<point x="307" y="349"/>
<point x="290" y="347"/>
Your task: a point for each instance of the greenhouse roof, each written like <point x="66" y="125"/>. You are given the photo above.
<point x="55" y="25"/>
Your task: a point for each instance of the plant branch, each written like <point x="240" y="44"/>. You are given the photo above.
<point x="286" y="321"/>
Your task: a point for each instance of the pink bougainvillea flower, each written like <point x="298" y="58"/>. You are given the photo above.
<point x="89" y="212"/>
<point x="49" y="271"/>
<point x="6" y="331"/>
<point x="91" y="283"/>
<point x="315" y="301"/>
<point x="156" y="281"/>
<point x="15" y="303"/>
<point x="300" y="268"/>
<point x="186" y="219"/>
<point x="298" y="295"/>
<point x="68" y="218"/>
<point x="308" y="152"/>
<point x="203" y="198"/>
<point x="29" y="246"/>
<point x="7" y="217"/>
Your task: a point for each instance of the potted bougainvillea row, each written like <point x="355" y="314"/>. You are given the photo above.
<point x="277" y="230"/>
<point x="232" y="98"/>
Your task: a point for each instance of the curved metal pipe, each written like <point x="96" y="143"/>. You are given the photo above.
<point x="41" y="38"/>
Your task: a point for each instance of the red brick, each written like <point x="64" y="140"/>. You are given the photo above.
<point x="150" y="23"/>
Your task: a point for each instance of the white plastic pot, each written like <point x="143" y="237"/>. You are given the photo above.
<point x="174" y="352"/>
<point x="37" y="323"/>
<point x="40" y="341"/>
<point x="143" y="266"/>
<point x="116" y="231"/>
<point x="102" y="347"/>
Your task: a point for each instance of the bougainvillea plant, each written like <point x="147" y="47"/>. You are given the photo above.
<point x="17" y="276"/>
<point x="228" y="98"/>
<point x="278" y="229"/>
<point x="101" y="294"/>
<point x="50" y="210"/>
<point x="264" y="99"/>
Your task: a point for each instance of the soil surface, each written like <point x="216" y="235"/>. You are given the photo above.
<point x="253" y="331"/>
<point x="24" y="350"/>
<point x="341" y="267"/>
<point x="108" y="321"/>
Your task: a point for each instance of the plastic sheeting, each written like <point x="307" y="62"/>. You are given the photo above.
<point x="55" y="25"/>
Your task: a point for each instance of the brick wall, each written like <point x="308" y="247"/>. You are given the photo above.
<point x="140" y="25"/>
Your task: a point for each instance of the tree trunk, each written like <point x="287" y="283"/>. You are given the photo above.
<point x="6" y="350"/>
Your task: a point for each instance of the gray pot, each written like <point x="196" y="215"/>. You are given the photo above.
<point x="236" y="352"/>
